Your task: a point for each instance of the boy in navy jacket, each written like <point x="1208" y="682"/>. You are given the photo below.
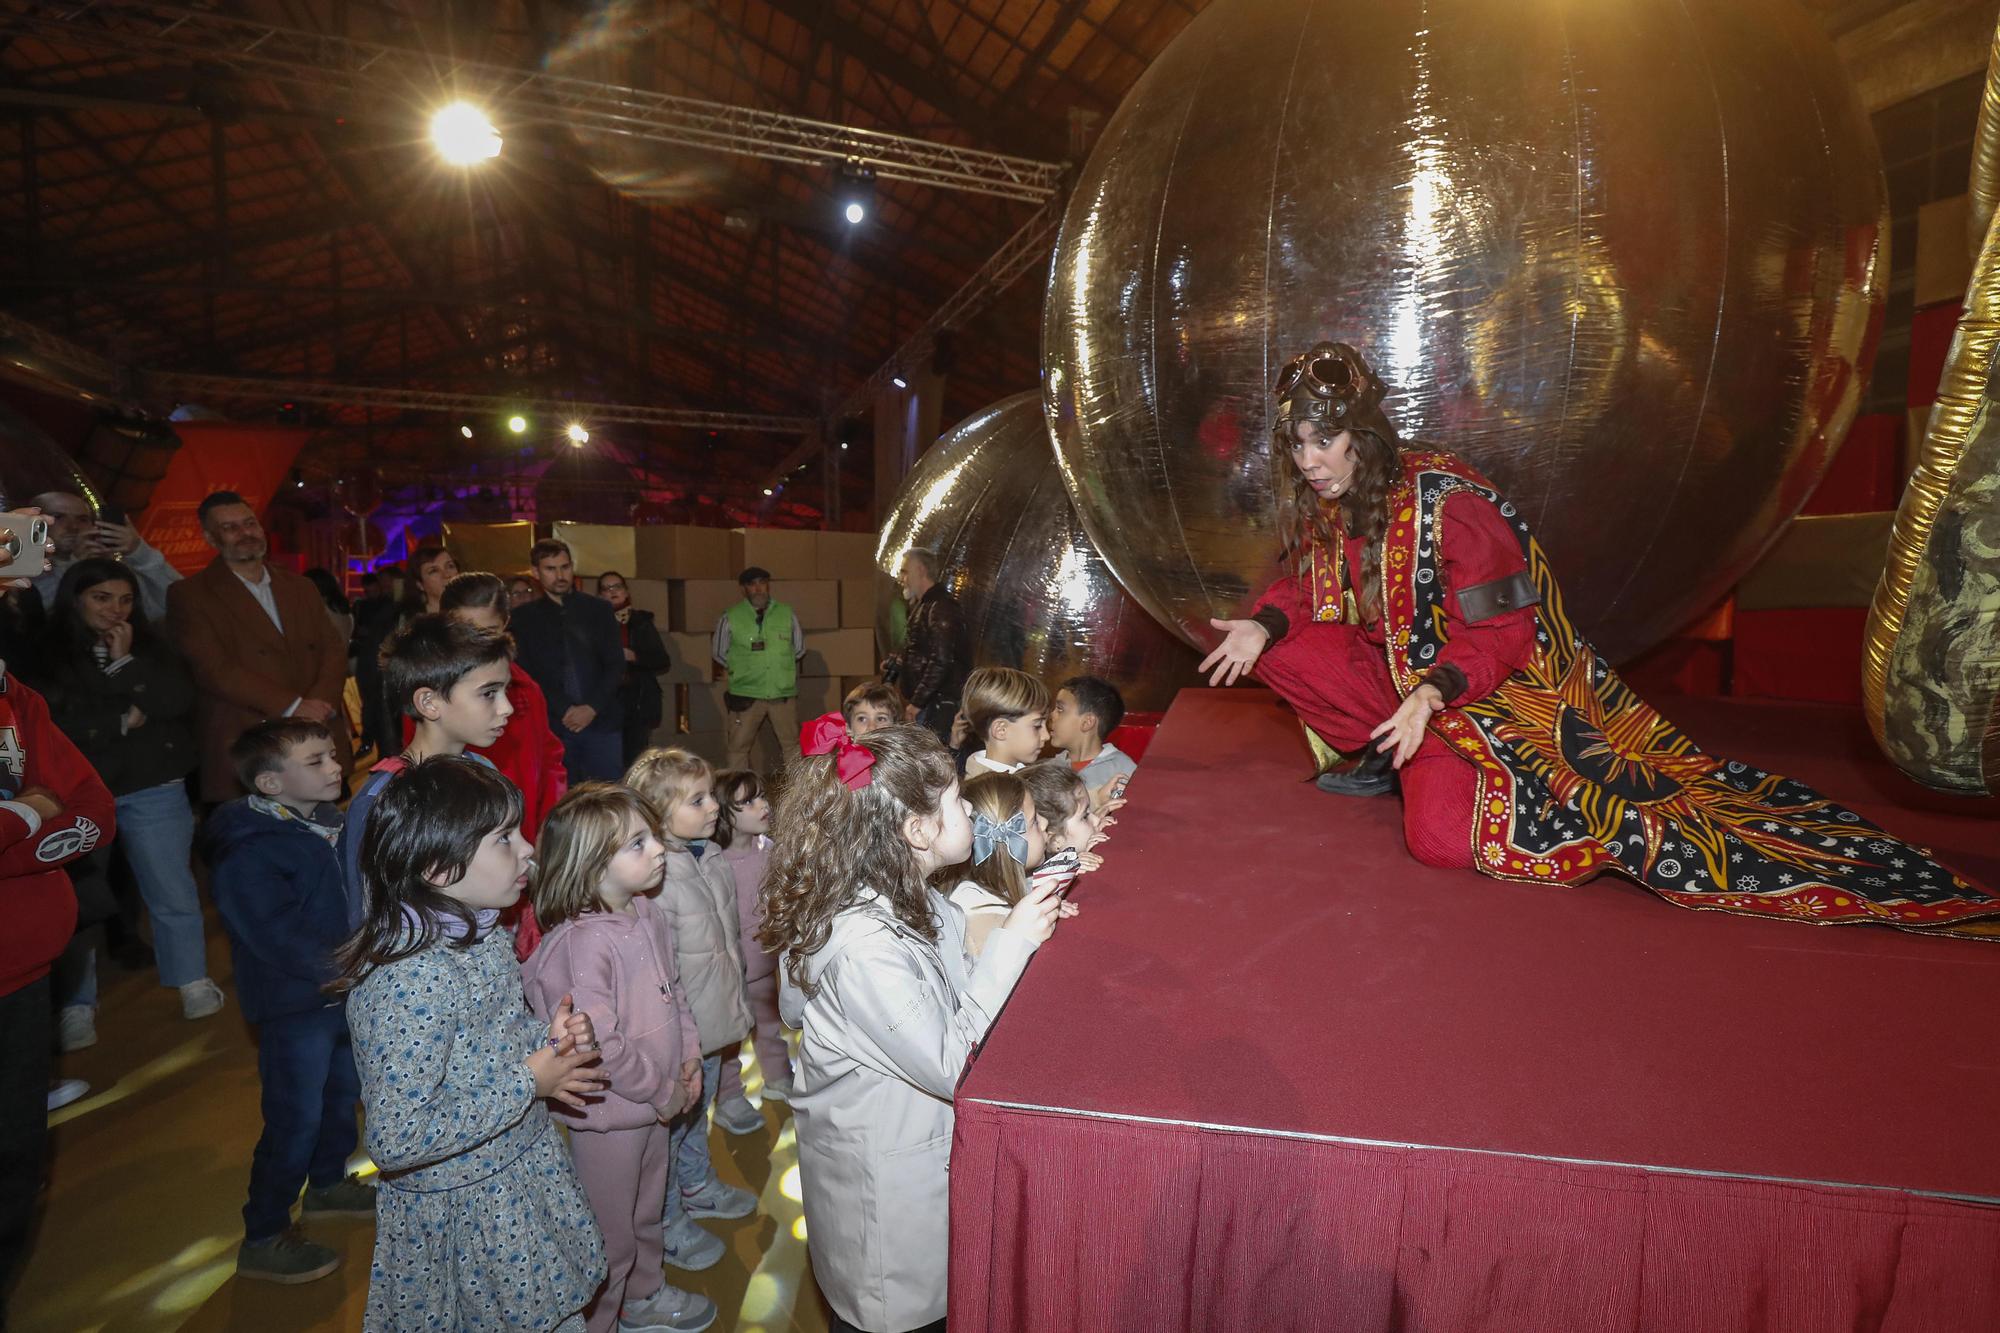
<point x="277" y="885"/>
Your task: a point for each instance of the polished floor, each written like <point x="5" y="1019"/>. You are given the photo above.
<point x="143" y="1212"/>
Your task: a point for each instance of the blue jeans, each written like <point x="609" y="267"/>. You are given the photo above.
<point x="691" y="1168"/>
<point x="306" y="1064"/>
<point x="592" y="754"/>
<point x="156" y="829"/>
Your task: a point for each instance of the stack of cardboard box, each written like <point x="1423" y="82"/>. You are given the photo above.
<point x="686" y="576"/>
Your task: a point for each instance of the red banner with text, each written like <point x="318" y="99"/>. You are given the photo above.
<point x="214" y="456"/>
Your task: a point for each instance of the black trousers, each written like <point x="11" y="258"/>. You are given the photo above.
<point x="835" y="1324"/>
<point x="27" y="1031"/>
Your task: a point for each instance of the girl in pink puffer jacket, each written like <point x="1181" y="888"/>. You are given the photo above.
<point x="607" y="945"/>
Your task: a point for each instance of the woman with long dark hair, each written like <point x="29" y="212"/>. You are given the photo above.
<point x="124" y="697"/>
<point x="431" y="568"/>
<point x="1419" y="633"/>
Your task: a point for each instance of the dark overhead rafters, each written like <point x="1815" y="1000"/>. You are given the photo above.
<point x="343" y="256"/>
<point x="324" y="63"/>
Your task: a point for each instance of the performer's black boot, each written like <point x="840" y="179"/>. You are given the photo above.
<point x="1371" y="775"/>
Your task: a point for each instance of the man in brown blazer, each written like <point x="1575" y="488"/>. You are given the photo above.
<point x="259" y="640"/>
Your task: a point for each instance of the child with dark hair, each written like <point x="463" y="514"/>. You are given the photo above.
<point x="871" y="706"/>
<point x="874" y="975"/>
<point x="1088" y="709"/>
<point x="528" y="753"/>
<point x="480" y="1222"/>
<point x="451" y="681"/>
<point x="276" y="881"/>
<point x="1062" y="804"/>
<point x="743" y="832"/>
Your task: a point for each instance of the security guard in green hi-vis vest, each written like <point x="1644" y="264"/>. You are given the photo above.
<point x="758" y="644"/>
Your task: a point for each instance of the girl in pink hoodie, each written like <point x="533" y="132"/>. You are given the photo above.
<point x="613" y="950"/>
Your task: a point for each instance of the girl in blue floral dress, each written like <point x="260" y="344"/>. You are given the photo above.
<point x="480" y="1222"/>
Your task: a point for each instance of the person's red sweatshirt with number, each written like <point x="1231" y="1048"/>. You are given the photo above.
<point x="37" y="905"/>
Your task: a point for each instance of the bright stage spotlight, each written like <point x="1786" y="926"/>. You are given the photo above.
<point x="518" y="424"/>
<point x="463" y="135"/>
<point x="466" y="431"/>
<point x="856" y="192"/>
<point x="899" y="381"/>
<point x="576" y="434"/>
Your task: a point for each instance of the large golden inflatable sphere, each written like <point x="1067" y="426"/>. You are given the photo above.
<point x="1627" y="256"/>
<point x="986" y="498"/>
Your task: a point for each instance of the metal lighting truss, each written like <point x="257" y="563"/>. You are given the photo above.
<point x="421" y="400"/>
<point x="51" y="350"/>
<point x="358" y="69"/>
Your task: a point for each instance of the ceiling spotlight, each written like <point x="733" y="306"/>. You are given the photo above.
<point x="576" y="434"/>
<point x="466" y="431"/>
<point x="463" y="135"/>
<point x="843" y="444"/>
<point x="767" y="490"/>
<point x="899" y="381"/>
<point x="856" y="192"/>
<point x="518" y="424"/>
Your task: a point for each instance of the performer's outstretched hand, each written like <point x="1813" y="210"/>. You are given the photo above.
<point x="1242" y="644"/>
<point x="1404" y="732"/>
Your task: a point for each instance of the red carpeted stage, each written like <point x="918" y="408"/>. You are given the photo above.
<point x="1278" y="1075"/>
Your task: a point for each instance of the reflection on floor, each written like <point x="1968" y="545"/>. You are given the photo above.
<point x="144" y="1213"/>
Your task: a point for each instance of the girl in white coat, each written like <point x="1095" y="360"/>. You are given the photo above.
<point x="874" y="973"/>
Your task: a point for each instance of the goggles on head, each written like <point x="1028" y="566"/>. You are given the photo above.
<point x="1330" y="383"/>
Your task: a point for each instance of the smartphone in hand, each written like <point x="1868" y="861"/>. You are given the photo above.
<point x="24" y="545"/>
<point x="1060" y="869"/>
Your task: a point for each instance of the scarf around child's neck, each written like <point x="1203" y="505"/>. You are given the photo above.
<point x="451" y="927"/>
<point x="324" y="819"/>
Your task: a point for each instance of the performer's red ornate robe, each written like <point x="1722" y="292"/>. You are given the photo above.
<point x="1545" y="767"/>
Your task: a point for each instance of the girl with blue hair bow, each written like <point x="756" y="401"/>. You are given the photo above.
<point x="1009" y="850"/>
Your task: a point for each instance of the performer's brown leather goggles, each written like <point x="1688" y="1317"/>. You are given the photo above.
<point x="1330" y="383"/>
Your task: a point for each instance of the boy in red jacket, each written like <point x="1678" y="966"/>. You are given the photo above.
<point x="53" y="809"/>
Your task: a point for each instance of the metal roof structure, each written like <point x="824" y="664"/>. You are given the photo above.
<point x="239" y="198"/>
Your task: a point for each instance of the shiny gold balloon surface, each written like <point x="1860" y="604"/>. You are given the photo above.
<point x="1624" y="255"/>
<point x="1931" y="667"/>
<point x="1037" y="596"/>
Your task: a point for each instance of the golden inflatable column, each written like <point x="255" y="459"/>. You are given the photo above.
<point x="1931" y="671"/>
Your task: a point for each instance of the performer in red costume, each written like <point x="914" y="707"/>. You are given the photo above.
<point x="1418" y="628"/>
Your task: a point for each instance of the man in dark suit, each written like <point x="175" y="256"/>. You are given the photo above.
<point x="259" y="642"/>
<point x="646" y="657"/>
<point x="570" y="643"/>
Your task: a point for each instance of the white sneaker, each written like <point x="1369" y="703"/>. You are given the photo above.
<point x="735" y="1114"/>
<point x="76" y="1027"/>
<point x="689" y="1247"/>
<point x="716" y="1199"/>
<point x="201" y="998"/>
<point x="777" y="1090"/>
<point x="69" y="1090"/>
<point x="668" y="1310"/>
